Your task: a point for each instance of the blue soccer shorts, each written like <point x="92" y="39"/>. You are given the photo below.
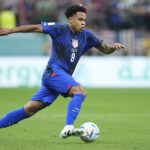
<point x="54" y="82"/>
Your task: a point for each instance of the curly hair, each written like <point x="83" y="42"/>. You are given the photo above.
<point x="70" y="11"/>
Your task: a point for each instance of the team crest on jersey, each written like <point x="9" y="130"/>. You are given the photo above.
<point x="74" y="43"/>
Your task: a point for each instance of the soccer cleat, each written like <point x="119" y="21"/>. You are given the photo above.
<point x="70" y="131"/>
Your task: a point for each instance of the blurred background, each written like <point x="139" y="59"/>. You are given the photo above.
<point x="124" y="21"/>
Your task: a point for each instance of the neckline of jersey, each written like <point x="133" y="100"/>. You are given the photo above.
<point x="75" y="34"/>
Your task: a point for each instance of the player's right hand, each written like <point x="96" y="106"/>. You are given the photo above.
<point x="5" y="31"/>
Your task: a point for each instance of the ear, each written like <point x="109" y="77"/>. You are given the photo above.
<point x="70" y="20"/>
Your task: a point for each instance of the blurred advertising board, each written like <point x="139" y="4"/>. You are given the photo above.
<point x="90" y="72"/>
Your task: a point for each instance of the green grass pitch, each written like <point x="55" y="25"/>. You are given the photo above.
<point x="123" y="116"/>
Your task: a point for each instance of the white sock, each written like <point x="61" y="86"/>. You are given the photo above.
<point x="69" y="127"/>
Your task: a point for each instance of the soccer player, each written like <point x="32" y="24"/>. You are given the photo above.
<point x="70" y="41"/>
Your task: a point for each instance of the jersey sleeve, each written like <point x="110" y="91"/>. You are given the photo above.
<point x="92" y="40"/>
<point x="51" y="28"/>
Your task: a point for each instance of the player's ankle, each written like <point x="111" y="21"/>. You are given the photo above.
<point x="69" y="127"/>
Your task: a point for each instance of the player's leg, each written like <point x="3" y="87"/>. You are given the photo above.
<point x="15" y="116"/>
<point x="33" y="107"/>
<point x="40" y="100"/>
<point x="63" y="83"/>
<point x="78" y="95"/>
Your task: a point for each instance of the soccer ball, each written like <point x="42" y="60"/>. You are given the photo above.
<point x="91" y="132"/>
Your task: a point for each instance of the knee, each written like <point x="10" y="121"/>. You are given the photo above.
<point x="32" y="107"/>
<point x="84" y="93"/>
<point x="77" y="90"/>
<point x="30" y="110"/>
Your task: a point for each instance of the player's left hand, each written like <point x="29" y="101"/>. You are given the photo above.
<point x="117" y="46"/>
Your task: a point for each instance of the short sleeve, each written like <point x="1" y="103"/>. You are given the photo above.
<point x="50" y="28"/>
<point x="92" y="40"/>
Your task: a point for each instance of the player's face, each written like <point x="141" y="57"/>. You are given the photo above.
<point x="77" y="22"/>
